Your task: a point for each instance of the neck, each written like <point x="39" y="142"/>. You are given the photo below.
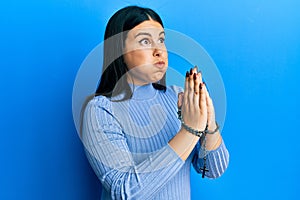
<point x="142" y="92"/>
<point x="132" y="81"/>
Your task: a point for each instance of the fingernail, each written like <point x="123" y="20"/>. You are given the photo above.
<point x="187" y="74"/>
<point x="200" y="86"/>
<point x="191" y="71"/>
<point x="205" y="86"/>
<point x="194" y="76"/>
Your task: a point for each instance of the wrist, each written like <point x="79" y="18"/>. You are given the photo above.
<point x="213" y="141"/>
<point x="189" y="134"/>
<point x="212" y="127"/>
<point x="191" y="130"/>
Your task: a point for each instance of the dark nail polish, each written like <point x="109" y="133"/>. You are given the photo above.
<point x="191" y="71"/>
<point x="194" y="76"/>
<point x="200" y="86"/>
<point x="187" y="74"/>
<point x="205" y="86"/>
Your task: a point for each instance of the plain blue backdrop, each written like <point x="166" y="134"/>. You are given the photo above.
<point x="255" y="44"/>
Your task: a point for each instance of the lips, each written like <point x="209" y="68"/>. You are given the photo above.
<point x="160" y="64"/>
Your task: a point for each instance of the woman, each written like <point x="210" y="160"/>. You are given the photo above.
<point x="134" y="140"/>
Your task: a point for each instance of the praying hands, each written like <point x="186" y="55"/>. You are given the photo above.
<point x="197" y="108"/>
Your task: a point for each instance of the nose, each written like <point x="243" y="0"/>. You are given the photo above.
<point x="157" y="52"/>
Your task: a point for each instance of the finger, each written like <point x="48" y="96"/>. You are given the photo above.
<point x="202" y="102"/>
<point x="180" y="100"/>
<point x="191" y="91"/>
<point x="200" y="77"/>
<point x="196" y="88"/>
<point x="209" y="102"/>
<point x="208" y="99"/>
<point x="186" y="86"/>
<point x="195" y="70"/>
<point x="210" y="109"/>
<point x="197" y="81"/>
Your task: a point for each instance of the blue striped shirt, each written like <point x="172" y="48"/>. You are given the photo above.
<point x="126" y="144"/>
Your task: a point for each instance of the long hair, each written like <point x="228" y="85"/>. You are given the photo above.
<point x="112" y="81"/>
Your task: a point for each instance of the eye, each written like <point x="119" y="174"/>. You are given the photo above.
<point x="145" y="42"/>
<point x="161" y="40"/>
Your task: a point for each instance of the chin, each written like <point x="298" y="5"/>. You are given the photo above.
<point x="156" y="79"/>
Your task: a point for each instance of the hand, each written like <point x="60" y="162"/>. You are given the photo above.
<point x="213" y="141"/>
<point x="197" y="108"/>
<point x="193" y="102"/>
<point x="211" y="119"/>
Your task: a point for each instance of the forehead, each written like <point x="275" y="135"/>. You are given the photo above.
<point x="149" y="26"/>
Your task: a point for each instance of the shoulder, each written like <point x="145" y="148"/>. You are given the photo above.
<point x="98" y="103"/>
<point x="100" y="112"/>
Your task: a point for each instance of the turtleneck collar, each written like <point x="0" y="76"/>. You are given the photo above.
<point x="143" y="92"/>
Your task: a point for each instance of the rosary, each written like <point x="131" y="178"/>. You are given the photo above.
<point x="204" y="169"/>
<point x="202" y="135"/>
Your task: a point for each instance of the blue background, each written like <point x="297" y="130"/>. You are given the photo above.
<point x="255" y="45"/>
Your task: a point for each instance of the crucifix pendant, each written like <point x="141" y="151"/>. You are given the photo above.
<point x="204" y="169"/>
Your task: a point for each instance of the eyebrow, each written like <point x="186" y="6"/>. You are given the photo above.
<point x="148" y="34"/>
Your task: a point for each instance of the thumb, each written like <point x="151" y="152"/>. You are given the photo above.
<point x="180" y="99"/>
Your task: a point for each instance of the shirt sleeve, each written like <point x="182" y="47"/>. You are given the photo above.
<point x="216" y="160"/>
<point x="109" y="155"/>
